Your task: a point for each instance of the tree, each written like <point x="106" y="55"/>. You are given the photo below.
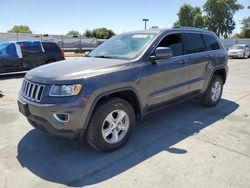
<point x="245" y="23"/>
<point x="73" y="32"/>
<point x="20" y="29"/>
<point x="154" y="27"/>
<point x="219" y="16"/>
<point x="245" y="32"/>
<point x="198" y="21"/>
<point x="100" y="33"/>
<point x="189" y="16"/>
<point x="88" y="33"/>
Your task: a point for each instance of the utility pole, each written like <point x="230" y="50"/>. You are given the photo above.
<point x="145" y="20"/>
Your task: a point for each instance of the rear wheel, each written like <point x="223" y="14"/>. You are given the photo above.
<point x="213" y="93"/>
<point x="50" y="61"/>
<point x="111" y="125"/>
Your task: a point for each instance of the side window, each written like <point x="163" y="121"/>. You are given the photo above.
<point x="193" y="43"/>
<point x="211" y="42"/>
<point x="173" y="41"/>
<point x="30" y="47"/>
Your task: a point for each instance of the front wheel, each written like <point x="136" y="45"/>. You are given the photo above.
<point x="214" y="91"/>
<point x="111" y="125"/>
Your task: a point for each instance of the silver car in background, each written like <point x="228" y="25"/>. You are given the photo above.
<point x="239" y="51"/>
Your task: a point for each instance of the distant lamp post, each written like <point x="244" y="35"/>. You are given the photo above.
<point x="145" y="20"/>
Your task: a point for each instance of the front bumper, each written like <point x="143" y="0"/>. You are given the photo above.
<point x="236" y="55"/>
<point x="41" y="116"/>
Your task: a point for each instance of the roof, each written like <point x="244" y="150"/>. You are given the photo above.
<point x="156" y="31"/>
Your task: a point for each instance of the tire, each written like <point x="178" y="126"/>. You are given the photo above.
<point x="104" y="132"/>
<point x="50" y="61"/>
<point x="210" y="98"/>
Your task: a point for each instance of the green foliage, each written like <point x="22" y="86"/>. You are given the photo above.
<point x="245" y="33"/>
<point x="245" y="23"/>
<point x="100" y="33"/>
<point x="20" y="29"/>
<point x="189" y="16"/>
<point x="73" y="32"/>
<point x="219" y="16"/>
<point x="198" y="21"/>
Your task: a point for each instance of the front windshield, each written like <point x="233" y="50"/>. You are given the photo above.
<point x="238" y="47"/>
<point x="8" y="50"/>
<point x="3" y="46"/>
<point x="124" y="46"/>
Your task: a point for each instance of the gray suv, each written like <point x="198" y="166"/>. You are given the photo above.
<point x="99" y="97"/>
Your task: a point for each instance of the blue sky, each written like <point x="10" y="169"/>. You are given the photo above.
<point x="60" y="16"/>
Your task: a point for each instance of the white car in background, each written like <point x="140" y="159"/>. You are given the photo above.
<point x="239" y="50"/>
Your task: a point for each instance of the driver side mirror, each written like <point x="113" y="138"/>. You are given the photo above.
<point x="161" y="53"/>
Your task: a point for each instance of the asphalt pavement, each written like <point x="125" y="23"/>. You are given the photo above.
<point x="185" y="145"/>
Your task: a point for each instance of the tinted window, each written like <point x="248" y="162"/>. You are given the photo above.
<point x="8" y="50"/>
<point x="193" y="43"/>
<point x="30" y="46"/>
<point x="174" y="42"/>
<point x="50" y="47"/>
<point x="211" y="42"/>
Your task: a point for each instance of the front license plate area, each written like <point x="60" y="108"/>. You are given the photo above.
<point x="23" y="108"/>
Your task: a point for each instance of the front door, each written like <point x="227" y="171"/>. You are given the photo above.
<point x="168" y="78"/>
<point x="33" y="54"/>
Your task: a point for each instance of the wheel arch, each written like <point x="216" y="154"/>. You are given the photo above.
<point x="222" y="73"/>
<point x="128" y="94"/>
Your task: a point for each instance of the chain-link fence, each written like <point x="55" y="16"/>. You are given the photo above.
<point x="66" y="42"/>
<point x="230" y="42"/>
<point x="75" y="43"/>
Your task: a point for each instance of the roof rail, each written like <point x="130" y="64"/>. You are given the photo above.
<point x="188" y="27"/>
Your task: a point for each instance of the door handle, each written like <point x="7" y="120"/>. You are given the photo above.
<point x="182" y="62"/>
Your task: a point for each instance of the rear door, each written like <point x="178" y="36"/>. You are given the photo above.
<point x="33" y="54"/>
<point x="198" y="60"/>
<point x="168" y="78"/>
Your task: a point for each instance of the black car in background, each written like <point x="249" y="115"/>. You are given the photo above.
<point x="24" y="55"/>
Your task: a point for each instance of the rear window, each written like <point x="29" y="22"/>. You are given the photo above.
<point x="51" y="47"/>
<point x="210" y="42"/>
<point x="193" y="43"/>
<point x="30" y="46"/>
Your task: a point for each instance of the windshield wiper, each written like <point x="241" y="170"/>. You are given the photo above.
<point x="102" y="56"/>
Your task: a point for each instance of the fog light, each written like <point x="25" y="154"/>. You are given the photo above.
<point x="61" y="117"/>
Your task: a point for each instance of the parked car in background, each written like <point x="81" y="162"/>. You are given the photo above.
<point x="239" y="51"/>
<point x="100" y="96"/>
<point x="24" y="55"/>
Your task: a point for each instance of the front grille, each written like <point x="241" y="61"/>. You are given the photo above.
<point x="32" y="90"/>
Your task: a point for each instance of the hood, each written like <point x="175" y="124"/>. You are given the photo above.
<point x="75" y="69"/>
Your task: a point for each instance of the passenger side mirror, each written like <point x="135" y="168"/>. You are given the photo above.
<point x="161" y="53"/>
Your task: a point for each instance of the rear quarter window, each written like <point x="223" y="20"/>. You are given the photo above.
<point x="210" y="42"/>
<point x="51" y="47"/>
<point x="193" y="43"/>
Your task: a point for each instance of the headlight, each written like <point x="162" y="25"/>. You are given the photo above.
<point x="65" y="90"/>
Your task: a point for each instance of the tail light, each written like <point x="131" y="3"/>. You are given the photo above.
<point x="62" y="54"/>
